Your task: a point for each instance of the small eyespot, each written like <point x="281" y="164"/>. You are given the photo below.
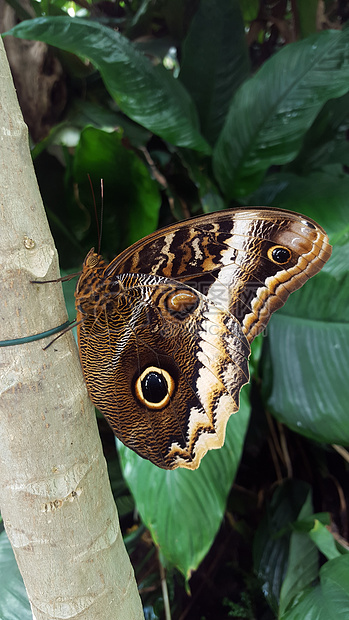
<point x="181" y="303"/>
<point x="154" y="387"/>
<point x="309" y="224"/>
<point x="279" y="254"/>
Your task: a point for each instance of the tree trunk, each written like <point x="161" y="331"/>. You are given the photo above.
<point x="55" y="496"/>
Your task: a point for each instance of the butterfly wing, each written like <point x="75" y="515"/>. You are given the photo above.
<point x="246" y="260"/>
<point x="164" y="365"/>
<point x="167" y="379"/>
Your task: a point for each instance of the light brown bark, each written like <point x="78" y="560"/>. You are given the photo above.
<point x="55" y="496"/>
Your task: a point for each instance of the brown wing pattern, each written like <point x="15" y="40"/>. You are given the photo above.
<point x="166" y="326"/>
<point x="199" y="356"/>
<point x="228" y="256"/>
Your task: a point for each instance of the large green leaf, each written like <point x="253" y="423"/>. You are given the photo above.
<point x="307" y="350"/>
<point x="131" y="197"/>
<point x="326" y="140"/>
<point x="147" y="93"/>
<point x="276" y="548"/>
<point x="271" y="112"/>
<point x="321" y="195"/>
<point x="215" y="61"/>
<point x="210" y="197"/>
<point x="324" y="198"/>
<point x="14" y="604"/>
<point x="329" y="599"/>
<point x="302" y="563"/>
<point x="308" y="365"/>
<point x="310" y="606"/>
<point x="334" y="577"/>
<point x="183" y="509"/>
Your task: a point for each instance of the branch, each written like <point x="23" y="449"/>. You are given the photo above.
<point x="55" y="496"/>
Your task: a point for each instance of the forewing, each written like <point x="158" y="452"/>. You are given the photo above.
<point x="228" y="256"/>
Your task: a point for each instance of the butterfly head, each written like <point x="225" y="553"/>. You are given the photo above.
<point x="93" y="260"/>
<point x="87" y="288"/>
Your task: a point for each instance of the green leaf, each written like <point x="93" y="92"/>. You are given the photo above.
<point x="303" y="561"/>
<point x="131" y="197"/>
<point x="306" y="524"/>
<point x="309" y="382"/>
<point x="271" y="112"/>
<point x="328" y="600"/>
<point x="148" y="94"/>
<point x="210" y="197"/>
<point x="325" y="199"/>
<point x="215" y="61"/>
<point x="14" y="604"/>
<point x="309" y="606"/>
<point x="306" y="354"/>
<point x="271" y="546"/>
<point x="327" y="295"/>
<point x="326" y="140"/>
<point x="324" y="540"/>
<point x="183" y="509"/>
<point x="334" y="577"/>
<point x="84" y="113"/>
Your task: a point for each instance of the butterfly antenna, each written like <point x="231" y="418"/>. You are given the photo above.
<point x="95" y="210"/>
<point x="102" y="212"/>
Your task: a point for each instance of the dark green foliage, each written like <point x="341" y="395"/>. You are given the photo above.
<point x="232" y="121"/>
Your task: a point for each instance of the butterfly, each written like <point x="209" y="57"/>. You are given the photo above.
<point x="165" y="329"/>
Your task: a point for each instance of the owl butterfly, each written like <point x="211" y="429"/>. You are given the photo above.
<point x="165" y="329"/>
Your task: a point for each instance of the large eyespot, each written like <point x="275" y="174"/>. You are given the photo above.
<point x="182" y="302"/>
<point x="279" y="254"/>
<point x="154" y="387"/>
